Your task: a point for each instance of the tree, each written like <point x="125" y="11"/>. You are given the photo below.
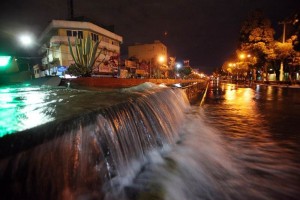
<point x="284" y="50"/>
<point x="185" y="71"/>
<point x="292" y="25"/>
<point x="84" y="57"/>
<point x="286" y="54"/>
<point x="257" y="37"/>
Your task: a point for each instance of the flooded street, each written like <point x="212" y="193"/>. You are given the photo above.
<point x="259" y="126"/>
<point x="243" y="143"/>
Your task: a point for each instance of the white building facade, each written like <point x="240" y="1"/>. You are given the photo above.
<point x="55" y="48"/>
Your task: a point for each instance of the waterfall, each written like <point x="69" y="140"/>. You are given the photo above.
<point x="78" y="157"/>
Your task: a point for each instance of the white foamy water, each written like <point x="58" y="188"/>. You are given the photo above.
<point x="243" y="143"/>
<point x="228" y="149"/>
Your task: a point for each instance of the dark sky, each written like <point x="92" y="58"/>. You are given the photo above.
<point x="203" y="31"/>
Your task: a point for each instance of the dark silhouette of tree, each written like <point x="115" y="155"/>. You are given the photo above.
<point x="185" y="71"/>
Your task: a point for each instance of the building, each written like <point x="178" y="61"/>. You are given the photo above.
<point x="155" y="54"/>
<point x="55" y="47"/>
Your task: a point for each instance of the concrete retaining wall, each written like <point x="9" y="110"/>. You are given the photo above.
<point x="122" y="83"/>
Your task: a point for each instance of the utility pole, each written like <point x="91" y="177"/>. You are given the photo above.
<point x="150" y="66"/>
<point x="283" y="41"/>
<point x="284" y="23"/>
<point x="71" y="9"/>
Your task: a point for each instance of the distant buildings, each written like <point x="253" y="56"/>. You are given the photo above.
<point x="56" y="53"/>
<point x="154" y="55"/>
<point x="148" y="51"/>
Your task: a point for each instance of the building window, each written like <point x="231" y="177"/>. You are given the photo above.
<point x="75" y="33"/>
<point x="69" y="33"/>
<point x="80" y="35"/>
<point x="95" y="37"/>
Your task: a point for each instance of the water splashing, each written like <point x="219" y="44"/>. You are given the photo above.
<point x="74" y="158"/>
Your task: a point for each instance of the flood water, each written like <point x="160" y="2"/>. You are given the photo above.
<point x="259" y="127"/>
<point x="243" y="143"/>
<point x="23" y="107"/>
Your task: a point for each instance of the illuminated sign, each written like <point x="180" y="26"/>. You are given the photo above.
<point x="4" y="60"/>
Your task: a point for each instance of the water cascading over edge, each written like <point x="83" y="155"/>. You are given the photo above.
<point x="90" y="150"/>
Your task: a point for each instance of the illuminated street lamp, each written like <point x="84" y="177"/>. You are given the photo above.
<point x="161" y="59"/>
<point x="160" y="64"/>
<point x="26" y="40"/>
<point x="232" y="64"/>
<point x="242" y="56"/>
<point x="245" y="61"/>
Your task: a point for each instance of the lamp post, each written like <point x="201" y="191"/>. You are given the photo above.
<point x="284" y="23"/>
<point x="161" y="59"/>
<point x="234" y="66"/>
<point x="178" y="66"/>
<point x="245" y="60"/>
<point x="283" y="41"/>
<point x="150" y="66"/>
<point x="26" y="41"/>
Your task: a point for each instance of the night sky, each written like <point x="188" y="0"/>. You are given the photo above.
<point x="204" y="31"/>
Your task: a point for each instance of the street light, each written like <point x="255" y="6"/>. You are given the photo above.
<point x="242" y="56"/>
<point x="161" y="59"/>
<point x="235" y="67"/>
<point x="26" y="40"/>
<point x="245" y="60"/>
<point x="232" y="64"/>
<point x="178" y="66"/>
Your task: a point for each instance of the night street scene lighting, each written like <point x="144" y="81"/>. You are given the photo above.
<point x="136" y="100"/>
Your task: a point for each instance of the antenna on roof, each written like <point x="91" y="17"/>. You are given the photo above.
<point x="71" y="9"/>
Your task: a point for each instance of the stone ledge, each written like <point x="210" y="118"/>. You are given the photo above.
<point x="105" y="82"/>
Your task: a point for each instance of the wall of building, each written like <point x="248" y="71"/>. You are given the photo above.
<point x="148" y="52"/>
<point x="57" y="39"/>
<point x="112" y="46"/>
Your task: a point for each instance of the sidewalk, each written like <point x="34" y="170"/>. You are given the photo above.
<point x="279" y="84"/>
